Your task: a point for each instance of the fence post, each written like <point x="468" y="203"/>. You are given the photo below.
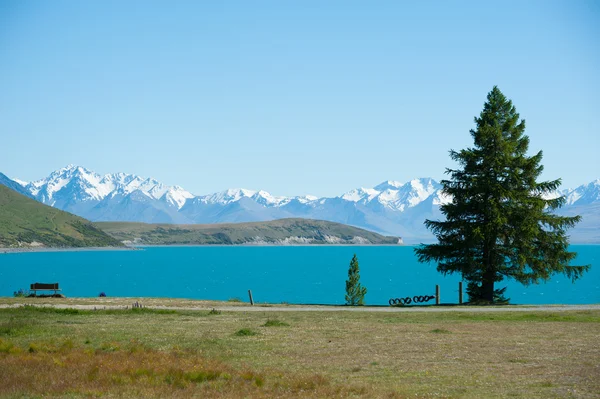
<point x="460" y="293"/>
<point x="437" y="294"/>
<point x="250" y="295"/>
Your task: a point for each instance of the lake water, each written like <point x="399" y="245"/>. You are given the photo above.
<point x="309" y="275"/>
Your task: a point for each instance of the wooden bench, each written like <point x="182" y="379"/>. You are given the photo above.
<point x="44" y="287"/>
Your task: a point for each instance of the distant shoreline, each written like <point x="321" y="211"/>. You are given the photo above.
<point x="140" y="247"/>
<point x="68" y="249"/>
<point x="268" y="245"/>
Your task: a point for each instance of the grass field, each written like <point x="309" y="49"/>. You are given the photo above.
<point x="166" y="353"/>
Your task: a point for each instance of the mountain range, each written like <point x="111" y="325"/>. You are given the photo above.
<point x="390" y="208"/>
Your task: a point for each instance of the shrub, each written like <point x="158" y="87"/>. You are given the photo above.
<point x="245" y="332"/>
<point x="275" y="323"/>
<point x="475" y="293"/>
<point x="5" y="346"/>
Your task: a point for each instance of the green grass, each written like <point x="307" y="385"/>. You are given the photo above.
<point x="44" y="309"/>
<point x="23" y="219"/>
<point x="275" y="323"/>
<point x="151" y="311"/>
<point x="583" y="316"/>
<point x="153" y="353"/>
<point x="14" y="327"/>
<point x="245" y="332"/>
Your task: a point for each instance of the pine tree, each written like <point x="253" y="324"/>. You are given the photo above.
<point x="355" y="292"/>
<point x="499" y="223"/>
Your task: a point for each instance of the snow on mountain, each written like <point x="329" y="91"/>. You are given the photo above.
<point x="388" y="185"/>
<point x="584" y="194"/>
<point x="441" y="198"/>
<point x="227" y="196"/>
<point x="399" y="197"/>
<point x="21" y="182"/>
<point x="156" y="190"/>
<point x="306" y="199"/>
<point x="176" y="196"/>
<point x="394" y="195"/>
<point x="89" y="183"/>
<point x="392" y="207"/>
<point x="360" y="194"/>
<point x="266" y="199"/>
<point x="554" y="194"/>
<point x="93" y="186"/>
<point x="149" y="186"/>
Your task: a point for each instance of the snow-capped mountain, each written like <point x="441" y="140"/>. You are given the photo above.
<point x="78" y="183"/>
<point x="176" y="196"/>
<point x="117" y="196"/>
<point x="585" y="194"/>
<point x="391" y="207"/>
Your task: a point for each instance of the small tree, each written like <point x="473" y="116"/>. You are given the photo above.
<point x="500" y="222"/>
<point x="355" y="292"/>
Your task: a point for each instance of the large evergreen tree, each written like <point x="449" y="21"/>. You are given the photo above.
<point x="355" y="292"/>
<point x="499" y="222"/>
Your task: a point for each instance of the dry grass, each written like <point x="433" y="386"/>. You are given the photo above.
<point x="135" y="371"/>
<point x="318" y="354"/>
<point x="101" y="302"/>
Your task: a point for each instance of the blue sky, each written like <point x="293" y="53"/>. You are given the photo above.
<point x="295" y="98"/>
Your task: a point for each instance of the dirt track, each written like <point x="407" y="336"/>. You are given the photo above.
<point x="323" y="308"/>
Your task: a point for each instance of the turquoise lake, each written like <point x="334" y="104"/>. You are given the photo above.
<point x="300" y="274"/>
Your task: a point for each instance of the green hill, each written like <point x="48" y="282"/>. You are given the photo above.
<point x="25" y="222"/>
<point x="278" y="232"/>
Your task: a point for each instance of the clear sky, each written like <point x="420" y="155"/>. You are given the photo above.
<point x="292" y="97"/>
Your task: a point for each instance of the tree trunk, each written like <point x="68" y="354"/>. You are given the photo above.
<point x="487" y="286"/>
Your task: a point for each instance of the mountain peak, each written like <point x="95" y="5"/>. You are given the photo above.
<point x="228" y="196"/>
<point x="73" y="168"/>
<point x="584" y="194"/>
<point x="21" y="182"/>
<point x="360" y="194"/>
<point x="388" y="185"/>
<point x="176" y="196"/>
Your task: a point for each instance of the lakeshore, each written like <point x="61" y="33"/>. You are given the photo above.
<point x="177" y="304"/>
<point x="16" y="250"/>
<point x="132" y="247"/>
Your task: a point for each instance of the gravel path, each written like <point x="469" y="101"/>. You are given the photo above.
<point x="322" y="308"/>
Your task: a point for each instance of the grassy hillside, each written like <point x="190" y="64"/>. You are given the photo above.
<point x="24" y="221"/>
<point x="284" y="231"/>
